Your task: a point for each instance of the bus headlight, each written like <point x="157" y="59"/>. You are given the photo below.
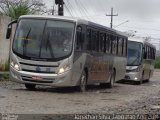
<point x="136" y="78"/>
<point x="61" y="70"/>
<point x="64" y="69"/>
<point x="15" y="65"/>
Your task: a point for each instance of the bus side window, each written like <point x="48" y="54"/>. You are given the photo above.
<point x="94" y="41"/>
<point x="107" y="43"/>
<point x="149" y="52"/>
<point x="145" y="52"/>
<point x="79" y="39"/>
<point x="120" y="47"/>
<point x="124" y="47"/>
<point x="145" y="55"/>
<point x="110" y="39"/>
<point x="97" y="39"/>
<point x="89" y="38"/>
<point x="117" y="50"/>
<point x="154" y="53"/>
<point x="102" y="41"/>
<point x="114" y="45"/>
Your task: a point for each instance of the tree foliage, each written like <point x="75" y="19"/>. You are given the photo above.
<point x="16" y="8"/>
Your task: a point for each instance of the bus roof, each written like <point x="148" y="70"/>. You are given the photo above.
<point x="105" y="27"/>
<point x="74" y="19"/>
<point x="140" y="40"/>
<point x="51" y="17"/>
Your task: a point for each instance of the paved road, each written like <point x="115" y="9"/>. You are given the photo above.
<point x="123" y="98"/>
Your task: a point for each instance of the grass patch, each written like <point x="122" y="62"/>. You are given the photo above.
<point x="157" y="63"/>
<point x="4" y="76"/>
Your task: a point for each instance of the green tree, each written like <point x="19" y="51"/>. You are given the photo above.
<point x="16" y="8"/>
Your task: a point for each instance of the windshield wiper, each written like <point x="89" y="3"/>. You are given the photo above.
<point x="50" y="47"/>
<point x="26" y="41"/>
<point x="48" y="44"/>
<point x="135" y="59"/>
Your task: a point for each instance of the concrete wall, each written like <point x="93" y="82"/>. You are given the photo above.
<point x="4" y="43"/>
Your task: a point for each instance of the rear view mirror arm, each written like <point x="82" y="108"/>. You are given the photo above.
<point x="12" y="22"/>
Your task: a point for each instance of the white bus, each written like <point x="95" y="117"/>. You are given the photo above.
<point x="62" y="51"/>
<point x="140" y="63"/>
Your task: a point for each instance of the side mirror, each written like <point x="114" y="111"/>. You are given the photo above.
<point x="8" y="34"/>
<point x="9" y="29"/>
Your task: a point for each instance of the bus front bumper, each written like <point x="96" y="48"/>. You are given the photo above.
<point x="61" y="80"/>
<point x="133" y="76"/>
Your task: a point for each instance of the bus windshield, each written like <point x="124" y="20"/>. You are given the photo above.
<point x="43" y="39"/>
<point x="134" y="53"/>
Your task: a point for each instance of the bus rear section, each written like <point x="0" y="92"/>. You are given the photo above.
<point x="140" y="62"/>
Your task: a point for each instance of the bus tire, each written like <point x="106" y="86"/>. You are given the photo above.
<point x="30" y="86"/>
<point x="112" y="80"/>
<point x="103" y="85"/>
<point x="83" y="82"/>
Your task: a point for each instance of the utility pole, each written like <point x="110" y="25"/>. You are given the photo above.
<point x="112" y="17"/>
<point x="53" y="10"/>
<point x="60" y="7"/>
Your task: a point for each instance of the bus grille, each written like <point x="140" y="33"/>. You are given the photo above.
<point x="34" y="71"/>
<point x="37" y="68"/>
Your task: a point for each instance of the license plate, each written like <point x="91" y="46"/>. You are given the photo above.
<point x="36" y="78"/>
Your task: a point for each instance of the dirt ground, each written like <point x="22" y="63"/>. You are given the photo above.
<point x="124" y="98"/>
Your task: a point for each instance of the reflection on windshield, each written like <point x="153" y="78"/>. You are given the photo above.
<point x="43" y="39"/>
<point x="134" y="53"/>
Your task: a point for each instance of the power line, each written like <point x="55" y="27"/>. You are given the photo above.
<point x="142" y="28"/>
<point x="121" y="23"/>
<point x="70" y="7"/>
<point x="83" y="9"/>
<point x="78" y="7"/>
<point x="101" y="5"/>
<point x="68" y="10"/>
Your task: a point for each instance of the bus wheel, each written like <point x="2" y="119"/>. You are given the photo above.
<point x="83" y="82"/>
<point x="112" y="80"/>
<point x="30" y="86"/>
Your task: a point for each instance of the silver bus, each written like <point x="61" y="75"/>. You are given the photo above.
<point x="62" y="51"/>
<point x="140" y="62"/>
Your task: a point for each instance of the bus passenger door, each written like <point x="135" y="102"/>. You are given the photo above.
<point x="79" y="59"/>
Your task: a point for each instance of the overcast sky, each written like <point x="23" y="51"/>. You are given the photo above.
<point x="143" y="15"/>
